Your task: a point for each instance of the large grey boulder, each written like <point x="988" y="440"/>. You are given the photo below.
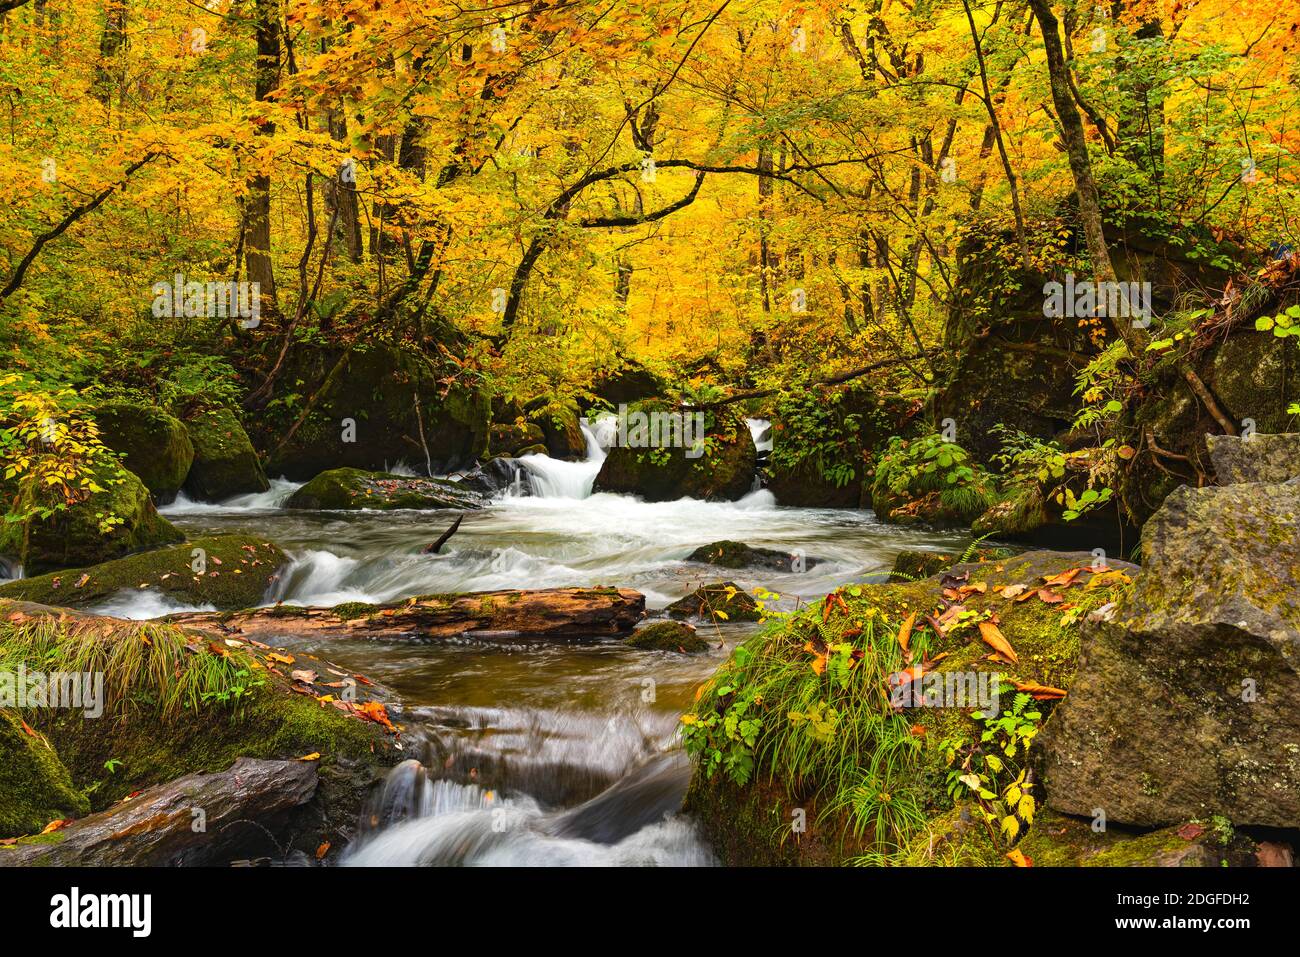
<point x="1259" y="458"/>
<point x="1187" y="700"/>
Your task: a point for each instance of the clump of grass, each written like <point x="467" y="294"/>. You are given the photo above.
<point x="807" y="705"/>
<point x="143" y="664"/>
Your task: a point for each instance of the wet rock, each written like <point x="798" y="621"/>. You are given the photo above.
<point x="668" y="636"/>
<point x="561" y="430"/>
<point x="356" y="489"/>
<point x="400" y="410"/>
<point x="631" y="382"/>
<point x="498" y="474"/>
<point x="1260" y="458"/>
<point x="76" y="536"/>
<point x="1187" y="700"/>
<point x="512" y="437"/>
<point x="724" y="471"/>
<point x="225" y="571"/>
<point x="35" y="787"/>
<point x="728" y="554"/>
<point x="156" y="828"/>
<point x="225" y="463"/>
<point x="719" y="601"/>
<point x="912" y="565"/>
<point x="154" y="445"/>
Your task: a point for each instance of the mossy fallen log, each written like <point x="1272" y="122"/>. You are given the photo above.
<point x="550" y="614"/>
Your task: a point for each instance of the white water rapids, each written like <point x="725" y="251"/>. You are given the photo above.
<point x="559" y="754"/>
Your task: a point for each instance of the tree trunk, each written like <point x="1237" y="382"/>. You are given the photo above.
<point x="257" y="203"/>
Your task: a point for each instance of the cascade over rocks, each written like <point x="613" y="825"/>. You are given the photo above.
<point x="1187" y="701"/>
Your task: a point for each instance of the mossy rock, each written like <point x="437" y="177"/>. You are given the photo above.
<point x="668" y="636"/>
<point x="154" y="445"/>
<point x="800" y="467"/>
<point x="509" y="438"/>
<point x="225" y="463"/>
<point x="399" y="410"/>
<point x="718" y="601"/>
<point x="75" y="537"/>
<point x="724" y="471"/>
<point x="561" y="429"/>
<point x="236" y="572"/>
<point x="35" y="787"/>
<point x="538" y="449"/>
<point x="959" y="838"/>
<point x="729" y="554"/>
<point x="1044" y="637"/>
<point x="347" y="488"/>
<point x="912" y="565"/>
<point x="630" y="382"/>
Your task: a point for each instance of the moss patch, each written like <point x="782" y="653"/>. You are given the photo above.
<point x="668" y="636"/>
<point x="76" y="536"/>
<point x="154" y="445"/>
<point x="35" y="787"/>
<point x="349" y="488"/>
<point x="235" y="573"/>
<point x="225" y="462"/>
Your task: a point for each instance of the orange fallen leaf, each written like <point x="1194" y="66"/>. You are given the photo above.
<point x="54" y="826"/>
<point x="1018" y="858"/>
<point x="994" y="638"/>
<point x="27" y="729"/>
<point x="1050" y="597"/>
<point x="376" y="712"/>
<point x="1039" y="692"/>
<point x="905" y="631"/>
<point x="322" y="850"/>
<point x="1065" y="579"/>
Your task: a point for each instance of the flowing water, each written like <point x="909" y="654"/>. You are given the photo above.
<point x="545" y="754"/>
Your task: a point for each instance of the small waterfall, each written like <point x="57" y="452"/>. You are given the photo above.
<point x="760" y="430"/>
<point x="555" y="478"/>
<point x="273" y="498"/>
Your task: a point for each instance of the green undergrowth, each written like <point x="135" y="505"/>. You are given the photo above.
<point x="174" y="704"/>
<point x="799" y="720"/>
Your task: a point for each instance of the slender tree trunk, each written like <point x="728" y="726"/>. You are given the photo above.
<point x="111" y="43"/>
<point x="257" y="203"/>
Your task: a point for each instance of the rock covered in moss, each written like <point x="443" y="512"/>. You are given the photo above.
<point x="719" y="601"/>
<point x="249" y="708"/>
<point x="561" y="429"/>
<point x="812" y="471"/>
<point x="118" y="520"/>
<point x="383" y="405"/>
<point x="354" y="489"/>
<point x="1043" y="635"/>
<point x="154" y="445"/>
<point x="513" y="436"/>
<point x="225" y="571"/>
<point x="723" y="471"/>
<point x="225" y="462"/>
<point x="911" y="565"/>
<point x="729" y="554"/>
<point x="35" y="787"/>
<point x="960" y="838"/>
<point x="668" y="636"/>
<point x="1260" y="458"/>
<point x="1188" y="699"/>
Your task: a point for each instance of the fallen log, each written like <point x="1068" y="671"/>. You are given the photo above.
<point x="157" y="827"/>
<point x="550" y="614"/>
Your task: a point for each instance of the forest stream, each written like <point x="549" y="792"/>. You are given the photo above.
<point x="544" y="753"/>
